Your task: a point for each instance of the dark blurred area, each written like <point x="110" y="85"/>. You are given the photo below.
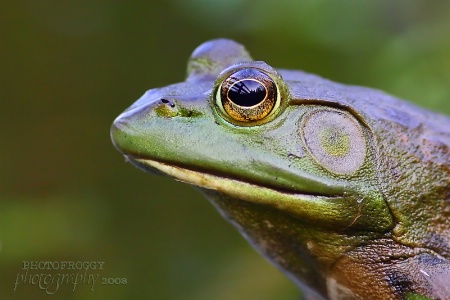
<point x="69" y="67"/>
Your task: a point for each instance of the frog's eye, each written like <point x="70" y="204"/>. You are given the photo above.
<point x="335" y="140"/>
<point x="248" y="95"/>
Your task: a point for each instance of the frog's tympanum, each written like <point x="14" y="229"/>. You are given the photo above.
<point x="346" y="189"/>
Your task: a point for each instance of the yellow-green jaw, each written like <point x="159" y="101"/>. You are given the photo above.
<point x="328" y="210"/>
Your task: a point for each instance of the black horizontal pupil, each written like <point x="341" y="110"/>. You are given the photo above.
<point x="247" y="92"/>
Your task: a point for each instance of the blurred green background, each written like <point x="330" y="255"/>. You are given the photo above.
<point x="69" y="67"/>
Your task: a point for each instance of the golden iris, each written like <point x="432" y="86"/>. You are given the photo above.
<point x="248" y="95"/>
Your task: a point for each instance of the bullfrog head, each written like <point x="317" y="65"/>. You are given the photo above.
<point x="346" y="189"/>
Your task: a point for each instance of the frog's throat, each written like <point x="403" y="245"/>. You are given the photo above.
<point x="305" y="206"/>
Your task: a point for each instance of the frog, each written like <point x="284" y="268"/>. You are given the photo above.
<point x="345" y="189"/>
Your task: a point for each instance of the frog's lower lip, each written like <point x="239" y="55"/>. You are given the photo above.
<point x="305" y="205"/>
<point x="338" y="211"/>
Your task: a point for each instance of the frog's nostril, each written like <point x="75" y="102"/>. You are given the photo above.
<point x="165" y="101"/>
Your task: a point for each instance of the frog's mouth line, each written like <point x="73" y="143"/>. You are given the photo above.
<point x="212" y="181"/>
<point x="305" y="205"/>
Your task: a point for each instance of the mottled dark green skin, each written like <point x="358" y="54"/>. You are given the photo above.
<point x="391" y="236"/>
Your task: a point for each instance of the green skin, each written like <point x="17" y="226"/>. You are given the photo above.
<point x="378" y="231"/>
